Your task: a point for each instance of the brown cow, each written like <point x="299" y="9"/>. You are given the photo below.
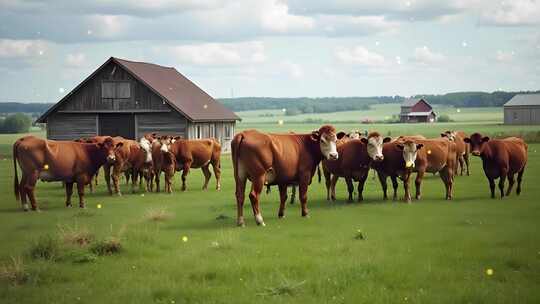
<point x="462" y="149"/>
<point x="132" y="159"/>
<point x="354" y="163"/>
<point x="501" y="158"/>
<point x="278" y="159"/>
<point x="49" y="160"/>
<point x="198" y="153"/>
<point x="428" y="155"/>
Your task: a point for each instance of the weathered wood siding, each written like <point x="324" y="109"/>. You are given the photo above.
<point x="522" y="115"/>
<point x="89" y="96"/>
<point x="162" y="123"/>
<point x="222" y="131"/>
<point x="71" y="126"/>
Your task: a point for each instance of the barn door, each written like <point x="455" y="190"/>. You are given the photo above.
<point x="117" y="125"/>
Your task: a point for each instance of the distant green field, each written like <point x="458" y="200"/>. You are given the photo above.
<point x="431" y="251"/>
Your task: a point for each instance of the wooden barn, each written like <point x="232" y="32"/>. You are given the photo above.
<point x="128" y="99"/>
<point x="522" y="109"/>
<point x="417" y="110"/>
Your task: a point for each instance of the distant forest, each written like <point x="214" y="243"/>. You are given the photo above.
<point x="300" y="105"/>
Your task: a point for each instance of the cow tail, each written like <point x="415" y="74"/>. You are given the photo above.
<point x="16" y="178"/>
<point x="235" y="149"/>
<point x="319" y="173"/>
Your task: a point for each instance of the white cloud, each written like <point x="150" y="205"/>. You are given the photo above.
<point x="76" y="60"/>
<point x="10" y="48"/>
<point x="424" y="55"/>
<point x="502" y="56"/>
<point x="275" y="17"/>
<point x="294" y="70"/>
<point x="337" y="25"/>
<point x="512" y="13"/>
<point x="359" y="55"/>
<point x="219" y="54"/>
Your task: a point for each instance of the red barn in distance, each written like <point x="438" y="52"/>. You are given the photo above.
<point x="417" y="110"/>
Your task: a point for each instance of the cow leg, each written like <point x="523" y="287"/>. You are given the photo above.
<point x="126" y="175"/>
<point x="461" y="165"/>
<point x="418" y="184"/>
<point x="116" y="181"/>
<point x="96" y="177"/>
<point x="282" y="200"/>
<point x="394" y="187"/>
<point x="303" y="187"/>
<point x="30" y="186"/>
<point x="107" y="171"/>
<point x="384" y="185"/>
<point x="207" y="176"/>
<point x="327" y="182"/>
<point x="406" y="178"/>
<point x="350" y="188"/>
<point x="333" y="183"/>
<point x="361" y="184"/>
<point x="268" y="189"/>
<point x="216" y="166"/>
<point x="466" y="159"/>
<point x="519" y="178"/>
<point x="185" y="172"/>
<point x="91" y="185"/>
<point x="502" y="180"/>
<point x="445" y="177"/>
<point x="492" y="186"/>
<point x="22" y="192"/>
<point x="80" y="191"/>
<point x="293" y="194"/>
<point x="134" y="179"/>
<point x="511" y="181"/>
<point x="69" y="192"/>
<point x="168" y="181"/>
<point x="157" y="176"/>
<point x="240" y="197"/>
<point x="256" y="189"/>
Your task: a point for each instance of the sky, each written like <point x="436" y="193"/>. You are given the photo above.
<point x="276" y="48"/>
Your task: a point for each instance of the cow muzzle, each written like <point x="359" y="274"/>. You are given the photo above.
<point x="409" y="165"/>
<point x="333" y="155"/>
<point x="475" y="153"/>
<point x="379" y="158"/>
<point x="111" y="158"/>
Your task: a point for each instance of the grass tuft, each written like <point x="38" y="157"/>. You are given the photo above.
<point x="285" y="288"/>
<point x="157" y="214"/>
<point x="14" y="272"/>
<point x="45" y="247"/>
<point x="109" y="246"/>
<point x="75" y="235"/>
<point x="85" y="258"/>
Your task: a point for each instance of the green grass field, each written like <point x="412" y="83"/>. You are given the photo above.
<point x="431" y="251"/>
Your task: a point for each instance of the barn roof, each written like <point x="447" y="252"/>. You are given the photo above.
<point x="409" y="102"/>
<point x="524" y="100"/>
<point x="178" y="91"/>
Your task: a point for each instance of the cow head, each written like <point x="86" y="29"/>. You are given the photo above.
<point x="477" y="142"/>
<point x="165" y="143"/>
<point x="374" y="143"/>
<point x="146" y="147"/>
<point x="327" y="138"/>
<point x="109" y="148"/>
<point x="410" y="150"/>
<point x="451" y="135"/>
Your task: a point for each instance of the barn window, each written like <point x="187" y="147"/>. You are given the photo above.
<point x="515" y="114"/>
<point x="228" y="131"/>
<point x="198" y="131"/>
<point x="115" y="90"/>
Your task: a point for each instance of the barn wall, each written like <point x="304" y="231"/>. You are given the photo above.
<point x="222" y="131"/>
<point x="522" y="115"/>
<point x="71" y="126"/>
<point x="421" y="106"/>
<point x="89" y="96"/>
<point x="162" y="123"/>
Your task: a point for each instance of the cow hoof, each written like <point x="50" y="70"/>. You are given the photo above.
<point x="69" y="205"/>
<point x="119" y="194"/>
<point x="82" y="206"/>
<point x="259" y="220"/>
<point x="281" y="216"/>
<point x="36" y="210"/>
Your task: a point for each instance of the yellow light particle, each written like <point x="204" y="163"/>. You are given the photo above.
<point x="489" y="272"/>
<point x="428" y="151"/>
<point x="184" y="239"/>
<point x="98" y="206"/>
<point x="280" y="122"/>
<point x="46" y="167"/>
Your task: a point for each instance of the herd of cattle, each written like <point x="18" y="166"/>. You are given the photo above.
<point x="285" y="160"/>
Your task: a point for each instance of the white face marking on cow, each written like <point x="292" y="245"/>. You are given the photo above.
<point x="410" y="151"/>
<point x="328" y="146"/>
<point x="147" y="148"/>
<point x="164" y="147"/>
<point x="374" y="148"/>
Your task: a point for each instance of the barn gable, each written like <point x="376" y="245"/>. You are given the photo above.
<point x="416" y="110"/>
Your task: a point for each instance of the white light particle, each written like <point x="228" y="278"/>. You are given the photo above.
<point x="283" y="110"/>
<point x="61" y="90"/>
<point x="377" y="43"/>
<point x="464" y="44"/>
<point x="408" y="3"/>
<point x="89" y="32"/>
<point x="205" y="106"/>
<point x="398" y="60"/>
<point x="40" y="52"/>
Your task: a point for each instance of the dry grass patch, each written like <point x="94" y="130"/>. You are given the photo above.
<point x="75" y="235"/>
<point x="45" y="247"/>
<point x="14" y="272"/>
<point x="157" y="214"/>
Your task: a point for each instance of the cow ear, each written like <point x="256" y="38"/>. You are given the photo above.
<point x="485" y="139"/>
<point x="340" y="135"/>
<point x="467" y="140"/>
<point x="400" y="146"/>
<point x="118" y="145"/>
<point x="386" y="139"/>
<point x="443" y="134"/>
<point x="364" y="140"/>
<point x="101" y="145"/>
<point x="315" y="136"/>
<point x="419" y="146"/>
<point x="178" y="138"/>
